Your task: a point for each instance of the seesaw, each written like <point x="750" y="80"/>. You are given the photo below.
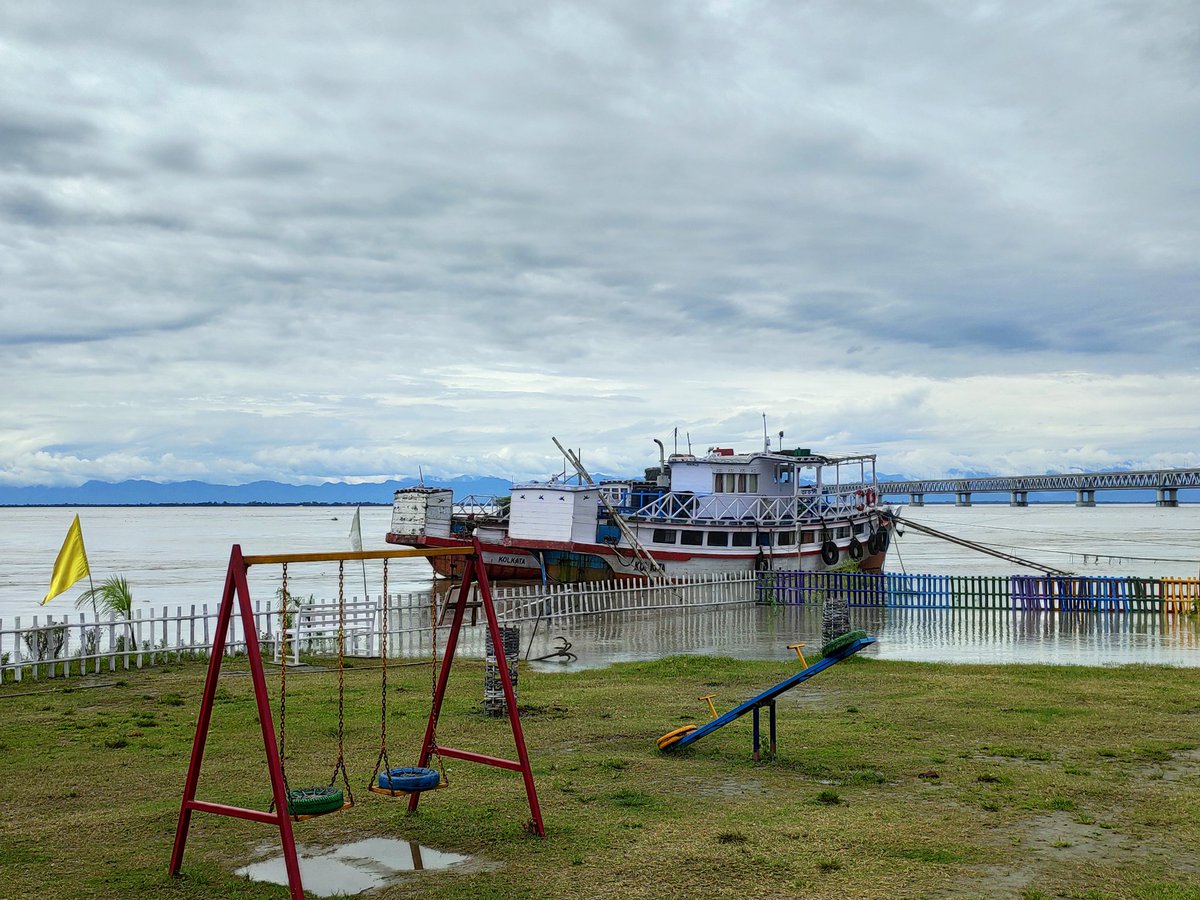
<point x="834" y="652"/>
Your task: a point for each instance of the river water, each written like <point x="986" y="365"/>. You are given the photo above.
<point x="178" y="556"/>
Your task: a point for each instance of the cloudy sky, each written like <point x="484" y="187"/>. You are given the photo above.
<point x="304" y="241"/>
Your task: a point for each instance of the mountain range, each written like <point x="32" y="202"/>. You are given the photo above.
<point x="333" y="493"/>
<point x="178" y="493"/>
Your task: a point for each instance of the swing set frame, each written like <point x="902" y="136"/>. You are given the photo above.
<point x="237" y="591"/>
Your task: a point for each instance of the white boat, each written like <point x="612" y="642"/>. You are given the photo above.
<point x="721" y="512"/>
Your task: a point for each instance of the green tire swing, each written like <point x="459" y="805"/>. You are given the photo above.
<point x="305" y="803"/>
<point x="842" y="642"/>
<point x="315" y="801"/>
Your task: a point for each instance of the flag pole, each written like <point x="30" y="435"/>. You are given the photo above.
<point x="91" y="586"/>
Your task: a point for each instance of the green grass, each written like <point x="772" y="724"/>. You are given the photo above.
<point x="1050" y="782"/>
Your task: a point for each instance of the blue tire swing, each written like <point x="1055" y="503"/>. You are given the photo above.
<point x="309" y="802"/>
<point x="402" y="780"/>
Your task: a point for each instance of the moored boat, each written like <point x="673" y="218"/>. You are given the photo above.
<point x="721" y="512"/>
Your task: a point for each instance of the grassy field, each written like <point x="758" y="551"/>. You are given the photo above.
<point x="891" y="780"/>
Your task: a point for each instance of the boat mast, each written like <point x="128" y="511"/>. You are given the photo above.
<point x="639" y="551"/>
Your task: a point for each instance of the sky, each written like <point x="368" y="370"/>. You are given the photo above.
<point x="307" y="242"/>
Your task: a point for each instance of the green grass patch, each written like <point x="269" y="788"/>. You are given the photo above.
<point x="1086" y="767"/>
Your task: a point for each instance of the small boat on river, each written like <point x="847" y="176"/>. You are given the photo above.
<point x="721" y="512"/>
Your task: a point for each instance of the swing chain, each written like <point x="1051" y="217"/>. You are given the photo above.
<point x="283" y="651"/>
<point x="340" y="765"/>
<point x="383" y="763"/>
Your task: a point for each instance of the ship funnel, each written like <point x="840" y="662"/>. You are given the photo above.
<point x="663" y="479"/>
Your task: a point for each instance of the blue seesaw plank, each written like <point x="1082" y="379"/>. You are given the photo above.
<point x="771" y="693"/>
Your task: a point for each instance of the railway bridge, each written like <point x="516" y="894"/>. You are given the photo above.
<point x="1165" y="482"/>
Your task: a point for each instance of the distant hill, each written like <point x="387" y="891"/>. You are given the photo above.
<point x="274" y="493"/>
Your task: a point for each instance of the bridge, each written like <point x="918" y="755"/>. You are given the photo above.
<point x="1166" y="482"/>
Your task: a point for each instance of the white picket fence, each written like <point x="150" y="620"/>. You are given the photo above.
<point x="69" y="646"/>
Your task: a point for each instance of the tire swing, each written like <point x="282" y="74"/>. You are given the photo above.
<point x="404" y="780"/>
<point x="855" y="550"/>
<point x="307" y="803"/>
<point x="829" y="550"/>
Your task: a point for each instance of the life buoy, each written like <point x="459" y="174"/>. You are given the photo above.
<point x="855" y="550"/>
<point x="829" y="553"/>
<point x="871" y="497"/>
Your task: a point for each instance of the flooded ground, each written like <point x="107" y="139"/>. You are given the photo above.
<point x="354" y="868"/>
<point x="954" y="636"/>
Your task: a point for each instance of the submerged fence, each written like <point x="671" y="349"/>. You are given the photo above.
<point x="1020" y="592"/>
<point x="591" y="597"/>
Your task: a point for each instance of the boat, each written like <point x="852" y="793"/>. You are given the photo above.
<point x="722" y="512"/>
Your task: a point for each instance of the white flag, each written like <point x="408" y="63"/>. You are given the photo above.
<point x="356" y="531"/>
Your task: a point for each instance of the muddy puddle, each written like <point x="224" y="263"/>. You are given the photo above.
<point x="359" y="867"/>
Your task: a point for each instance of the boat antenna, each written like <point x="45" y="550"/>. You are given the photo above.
<point x="420" y="477"/>
<point x="689" y="440"/>
<point x="766" y="439"/>
<point x="676" y="440"/>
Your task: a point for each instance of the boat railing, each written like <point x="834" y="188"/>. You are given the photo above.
<point x="482" y="506"/>
<point x="806" y="508"/>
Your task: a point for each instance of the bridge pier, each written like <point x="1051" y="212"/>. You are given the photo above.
<point x="962" y="498"/>
<point x="916" y="499"/>
<point x="1018" y="498"/>
<point x="1167" y="497"/>
<point x="1085" y="497"/>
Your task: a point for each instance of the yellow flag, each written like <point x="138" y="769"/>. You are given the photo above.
<point x="71" y="564"/>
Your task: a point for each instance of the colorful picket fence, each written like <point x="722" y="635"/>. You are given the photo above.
<point x="902" y="590"/>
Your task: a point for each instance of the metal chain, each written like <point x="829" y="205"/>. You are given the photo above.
<point x="283" y="649"/>
<point x="383" y="763"/>
<point x="340" y="765"/>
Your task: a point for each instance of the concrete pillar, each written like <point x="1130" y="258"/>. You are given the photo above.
<point x="1018" y="498"/>
<point x="1085" y="497"/>
<point x="1167" y="497"/>
<point x="916" y="499"/>
<point x="962" y="498"/>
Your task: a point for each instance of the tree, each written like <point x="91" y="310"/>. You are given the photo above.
<point x="112" y="596"/>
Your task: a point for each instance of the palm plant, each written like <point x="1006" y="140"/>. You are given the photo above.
<point x="112" y="596"/>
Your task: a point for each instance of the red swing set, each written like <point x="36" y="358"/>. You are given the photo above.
<point x="281" y="813"/>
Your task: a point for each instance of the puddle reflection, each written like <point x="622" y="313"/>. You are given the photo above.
<point x="354" y="868"/>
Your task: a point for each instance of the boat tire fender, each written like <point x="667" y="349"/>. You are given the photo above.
<point x="829" y="553"/>
<point x="855" y="550"/>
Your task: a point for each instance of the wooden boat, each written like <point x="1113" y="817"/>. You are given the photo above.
<point x="721" y="512"/>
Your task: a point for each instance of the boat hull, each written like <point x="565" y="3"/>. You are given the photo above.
<point x="573" y="563"/>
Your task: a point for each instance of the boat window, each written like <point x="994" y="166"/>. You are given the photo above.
<point x="718" y="539"/>
<point x="843" y="532"/>
<point x="742" y="539"/>
<point x="741" y="483"/>
<point x="783" y="474"/>
<point x="808" y="537"/>
<point x="860" y="527"/>
<point x="691" y="538"/>
<point x="786" y="538"/>
<point x="764" y="539"/>
<point x="664" y="536"/>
